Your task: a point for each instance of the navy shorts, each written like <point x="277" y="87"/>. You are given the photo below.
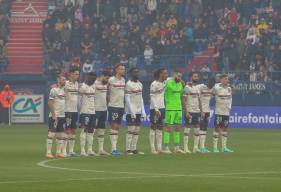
<point x="135" y="122"/>
<point x="221" y="121"/>
<point x="115" y="114"/>
<point x="205" y="122"/>
<point x="193" y="121"/>
<point x="157" y="121"/>
<point x="57" y="125"/>
<point x="71" y="119"/>
<point x="88" y="121"/>
<point x="101" y="119"/>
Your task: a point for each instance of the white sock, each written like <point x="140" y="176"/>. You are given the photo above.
<point x="60" y="143"/>
<point x="152" y="139"/>
<point x="159" y="139"/>
<point x="185" y="138"/>
<point x="49" y="142"/>
<point x="196" y="137"/>
<point x="49" y="145"/>
<point x="202" y="139"/>
<point x="101" y="139"/>
<point x="135" y="138"/>
<point x="82" y="141"/>
<point x="129" y="137"/>
<point x="113" y="138"/>
<point x="215" y="139"/>
<point x="90" y="141"/>
<point x="71" y="143"/>
<point x="224" y="139"/>
<point x="64" y="146"/>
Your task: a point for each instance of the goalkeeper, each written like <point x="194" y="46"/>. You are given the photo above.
<point x="173" y="118"/>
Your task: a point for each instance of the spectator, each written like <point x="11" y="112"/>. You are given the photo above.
<point x="148" y="55"/>
<point x="88" y="67"/>
<point x="205" y="69"/>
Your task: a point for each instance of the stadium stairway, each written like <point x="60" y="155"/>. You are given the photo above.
<point x="25" y="45"/>
<point x="205" y="57"/>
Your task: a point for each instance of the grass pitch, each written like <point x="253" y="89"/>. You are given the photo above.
<point x="254" y="166"/>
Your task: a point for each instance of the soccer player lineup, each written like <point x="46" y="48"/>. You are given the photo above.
<point x="107" y="97"/>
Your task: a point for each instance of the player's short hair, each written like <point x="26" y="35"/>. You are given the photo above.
<point x="118" y="65"/>
<point x="158" y="72"/>
<point x="223" y="75"/>
<point x="177" y="71"/>
<point x="92" y="74"/>
<point x="132" y="69"/>
<point x="192" y="73"/>
<point x="73" y="69"/>
<point x="106" y="73"/>
<point x="59" y="75"/>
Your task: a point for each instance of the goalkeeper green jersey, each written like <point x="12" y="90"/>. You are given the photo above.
<point x="173" y="94"/>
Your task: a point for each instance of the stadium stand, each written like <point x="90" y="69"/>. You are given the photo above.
<point x="25" y="47"/>
<point x="193" y="35"/>
<point x="4" y="32"/>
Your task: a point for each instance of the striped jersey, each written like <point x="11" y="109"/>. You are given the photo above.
<point x="100" y="96"/>
<point x="116" y="88"/>
<point x="157" y="95"/>
<point x="71" y="96"/>
<point x="223" y="95"/>
<point x="191" y="92"/>
<point x="134" y="92"/>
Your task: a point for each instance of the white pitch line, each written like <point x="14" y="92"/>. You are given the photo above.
<point x="267" y="151"/>
<point x="131" y="177"/>
<point x="79" y="179"/>
<point x="145" y="175"/>
<point x="242" y="172"/>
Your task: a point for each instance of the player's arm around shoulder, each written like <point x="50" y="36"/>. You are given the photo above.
<point x="82" y="89"/>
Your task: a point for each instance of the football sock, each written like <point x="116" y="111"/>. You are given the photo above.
<point x="176" y="138"/>
<point x="82" y="141"/>
<point x="60" y="143"/>
<point x="152" y="139"/>
<point x="71" y="143"/>
<point x="135" y="138"/>
<point x="159" y="139"/>
<point x="224" y="139"/>
<point x="113" y="138"/>
<point x="49" y="142"/>
<point x="166" y="138"/>
<point x="101" y="139"/>
<point x="203" y="135"/>
<point x="185" y="138"/>
<point x="215" y="139"/>
<point x="129" y="137"/>
<point x="90" y="141"/>
<point x="196" y="137"/>
<point x="64" y="147"/>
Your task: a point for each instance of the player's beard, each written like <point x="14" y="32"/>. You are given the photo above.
<point x="195" y="81"/>
<point x="177" y="80"/>
<point x="104" y="82"/>
<point x="135" y="78"/>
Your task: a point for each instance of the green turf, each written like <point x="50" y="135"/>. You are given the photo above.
<point x="255" y="166"/>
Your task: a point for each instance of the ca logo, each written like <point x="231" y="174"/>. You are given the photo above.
<point x="24" y="105"/>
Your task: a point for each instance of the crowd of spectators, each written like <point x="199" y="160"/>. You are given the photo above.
<point x="99" y="33"/>
<point x="4" y="30"/>
<point x="110" y="31"/>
